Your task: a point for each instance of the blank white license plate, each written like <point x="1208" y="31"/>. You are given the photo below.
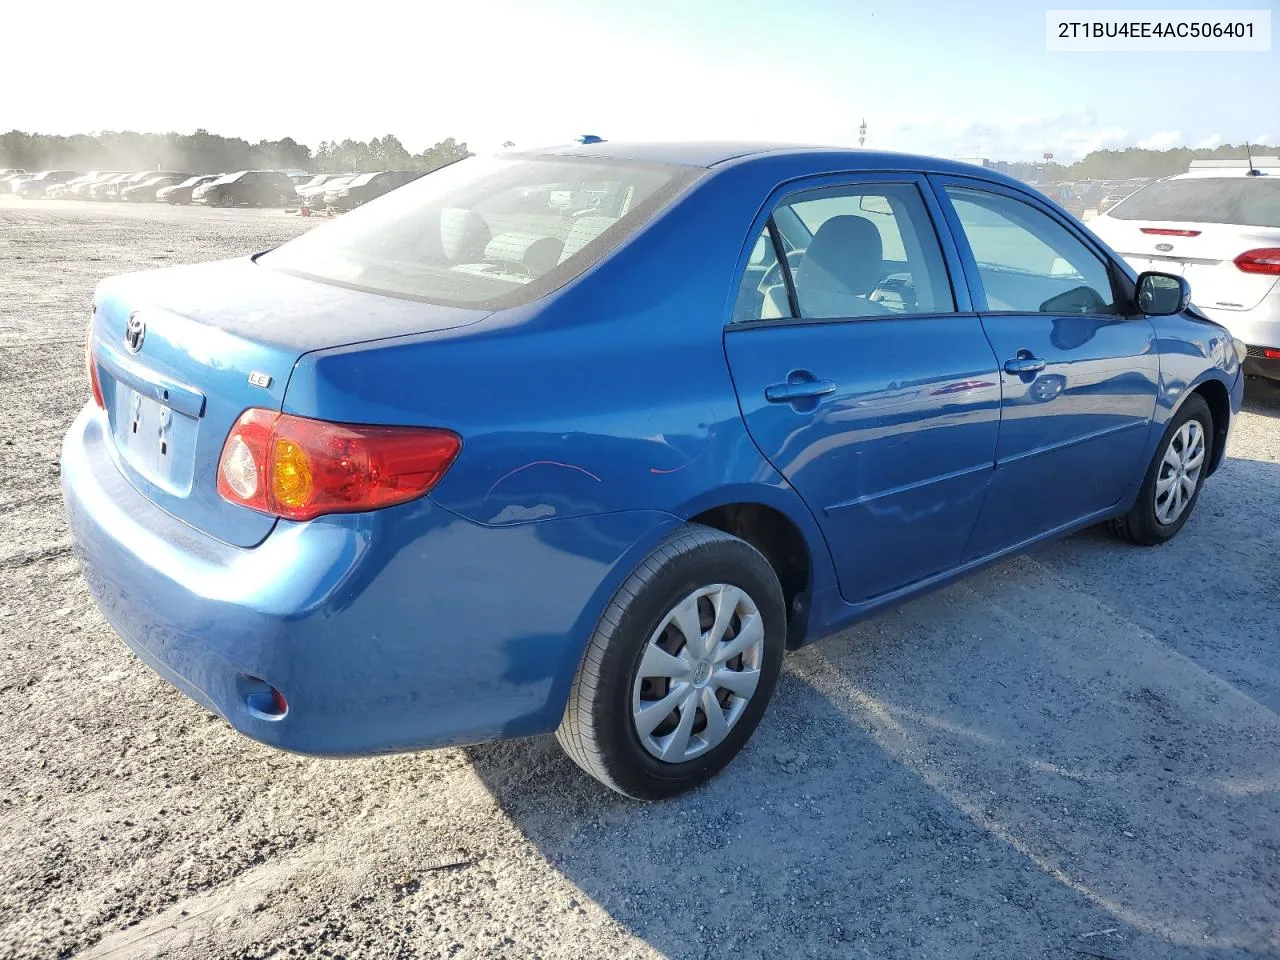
<point x="156" y="440"/>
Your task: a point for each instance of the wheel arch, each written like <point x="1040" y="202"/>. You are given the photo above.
<point x="775" y="521"/>
<point x="1215" y="393"/>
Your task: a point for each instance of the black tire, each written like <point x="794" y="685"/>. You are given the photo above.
<point x="1141" y="525"/>
<point x="597" y="731"/>
<point x="226" y="200"/>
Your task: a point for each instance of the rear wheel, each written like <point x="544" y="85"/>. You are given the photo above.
<point x="1174" y="478"/>
<point x="680" y="668"/>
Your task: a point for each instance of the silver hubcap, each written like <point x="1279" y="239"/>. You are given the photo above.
<point x="699" y="671"/>
<point x="1179" y="472"/>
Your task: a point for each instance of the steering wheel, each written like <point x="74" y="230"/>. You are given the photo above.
<point x="771" y="277"/>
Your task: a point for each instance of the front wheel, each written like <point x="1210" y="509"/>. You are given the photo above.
<point x="1174" y="478"/>
<point x="680" y="668"/>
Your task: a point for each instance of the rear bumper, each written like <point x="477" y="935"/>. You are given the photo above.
<point x="1258" y="365"/>
<point x="1259" y="327"/>
<point x="396" y="630"/>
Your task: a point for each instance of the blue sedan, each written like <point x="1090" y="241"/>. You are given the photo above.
<point x="582" y="440"/>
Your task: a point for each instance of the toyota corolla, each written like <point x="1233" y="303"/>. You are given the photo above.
<point x="583" y="440"/>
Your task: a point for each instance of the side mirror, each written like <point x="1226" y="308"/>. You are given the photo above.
<point x="1162" y="294"/>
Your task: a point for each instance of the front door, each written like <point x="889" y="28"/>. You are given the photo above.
<point x="864" y="379"/>
<point x="1079" y="374"/>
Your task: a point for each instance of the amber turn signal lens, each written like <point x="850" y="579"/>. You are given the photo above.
<point x="290" y="474"/>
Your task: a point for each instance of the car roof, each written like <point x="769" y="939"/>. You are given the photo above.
<point x="692" y="153"/>
<point x="1209" y="173"/>
<point x="707" y="153"/>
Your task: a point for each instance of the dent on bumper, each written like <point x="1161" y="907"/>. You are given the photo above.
<point x="401" y="629"/>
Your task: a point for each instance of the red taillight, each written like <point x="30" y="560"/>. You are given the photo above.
<point x="1264" y="260"/>
<point x="298" y="468"/>
<point x="1271" y="354"/>
<point x="1169" y="232"/>
<point x="95" y="386"/>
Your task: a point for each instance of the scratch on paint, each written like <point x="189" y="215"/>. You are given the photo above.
<point x="543" y="463"/>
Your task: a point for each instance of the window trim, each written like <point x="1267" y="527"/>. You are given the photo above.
<point x="784" y="269"/>
<point x="1118" y="273"/>
<point x="791" y="191"/>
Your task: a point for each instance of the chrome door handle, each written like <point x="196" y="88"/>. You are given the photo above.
<point x="1024" y="363"/>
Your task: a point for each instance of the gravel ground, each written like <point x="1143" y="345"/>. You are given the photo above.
<point x="1073" y="754"/>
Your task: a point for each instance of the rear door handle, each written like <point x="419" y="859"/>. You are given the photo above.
<point x="797" y="389"/>
<point x="1024" y="362"/>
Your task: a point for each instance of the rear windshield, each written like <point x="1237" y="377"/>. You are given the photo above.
<point x="1244" y="201"/>
<point x="486" y="231"/>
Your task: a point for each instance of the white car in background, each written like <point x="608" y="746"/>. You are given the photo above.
<point x="311" y="193"/>
<point x="1219" y="228"/>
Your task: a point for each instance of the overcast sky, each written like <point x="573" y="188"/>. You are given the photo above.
<point x="936" y="76"/>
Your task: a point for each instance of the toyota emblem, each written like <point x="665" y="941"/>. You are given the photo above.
<point x="134" y="332"/>
<point x="1164" y="247"/>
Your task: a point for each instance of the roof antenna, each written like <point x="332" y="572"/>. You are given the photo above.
<point x="1249" y="154"/>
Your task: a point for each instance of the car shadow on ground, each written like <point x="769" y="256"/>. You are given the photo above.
<point x="1052" y="758"/>
<point x="1262" y="396"/>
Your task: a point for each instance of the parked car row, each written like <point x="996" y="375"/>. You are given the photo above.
<point x="1099" y="195"/>
<point x="259" y="188"/>
<point x="346" y="192"/>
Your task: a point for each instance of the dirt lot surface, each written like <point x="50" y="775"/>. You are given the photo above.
<point x="1074" y="754"/>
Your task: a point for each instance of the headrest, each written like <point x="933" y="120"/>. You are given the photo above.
<point x="846" y="255"/>
<point x="463" y="234"/>
<point x="584" y="230"/>
<point x="535" y="252"/>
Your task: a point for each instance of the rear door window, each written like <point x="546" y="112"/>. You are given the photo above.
<point x="763" y="276"/>
<point x="859" y="250"/>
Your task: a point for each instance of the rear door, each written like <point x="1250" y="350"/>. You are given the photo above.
<point x="1079" y="377"/>
<point x="864" y="377"/>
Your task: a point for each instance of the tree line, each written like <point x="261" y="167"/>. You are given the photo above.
<point x="205" y="152"/>
<point x="1134" y="162"/>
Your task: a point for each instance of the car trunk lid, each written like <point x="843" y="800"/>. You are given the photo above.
<point x="181" y="353"/>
